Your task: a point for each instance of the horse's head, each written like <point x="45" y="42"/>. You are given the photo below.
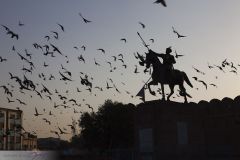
<point x="149" y="58"/>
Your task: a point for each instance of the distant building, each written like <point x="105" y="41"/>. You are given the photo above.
<point x="10" y="133"/>
<point x="29" y="141"/>
<point x="49" y="143"/>
<point x="172" y="130"/>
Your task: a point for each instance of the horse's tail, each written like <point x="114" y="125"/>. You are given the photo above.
<point x="185" y="77"/>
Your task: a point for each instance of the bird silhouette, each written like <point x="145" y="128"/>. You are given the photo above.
<point x="55" y="105"/>
<point x="179" y="35"/>
<point x="47" y="37"/>
<point x="116" y="88"/>
<point x="37" y="46"/>
<point x="63" y="67"/>
<point x="62" y="97"/>
<point x="99" y="88"/>
<point x="72" y="127"/>
<point x="13" y="35"/>
<point x="124" y="40"/>
<point x="203" y="83"/>
<point x="102" y="50"/>
<point x="80" y="58"/>
<point x="83" y="47"/>
<point x="162" y="2"/>
<point x="39" y="94"/>
<point x="212" y="84"/>
<point x="198" y="71"/>
<point x="108" y="87"/>
<point x="121" y="60"/>
<point x="28" y="54"/>
<point x="136" y="69"/>
<point x="6" y="90"/>
<point x="20" y="23"/>
<point x="2" y="59"/>
<point x="84" y="19"/>
<point x="61" y="26"/>
<point x="110" y="79"/>
<point x="95" y="62"/>
<point x="225" y="62"/>
<point x="143" y="25"/>
<point x="178" y="55"/>
<point x="45" y="65"/>
<point x="195" y="78"/>
<point x="75" y="111"/>
<point x="22" y="58"/>
<point x="110" y="64"/>
<point x="89" y="107"/>
<point x="50" y="113"/>
<point x="124" y="65"/>
<point x="64" y="78"/>
<point x="233" y="71"/>
<point x="135" y="55"/>
<point x="152" y="40"/>
<point x="209" y="66"/>
<point x="68" y="72"/>
<point x="89" y="89"/>
<point x="27" y="70"/>
<point x="56" y="49"/>
<point x="56" y="34"/>
<point x="47" y="121"/>
<point x="75" y="47"/>
<point x="220" y="68"/>
<point x="78" y="90"/>
<point x="21" y="102"/>
<point x="9" y="101"/>
<point x="5" y="27"/>
<point x="61" y="131"/>
<point x="114" y="58"/>
<point x="232" y="66"/>
<point x="46" y="90"/>
<point x="120" y="55"/>
<point x="55" y="132"/>
<point x="49" y="97"/>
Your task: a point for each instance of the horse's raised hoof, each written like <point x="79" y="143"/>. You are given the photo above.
<point x="153" y="93"/>
<point x="181" y="93"/>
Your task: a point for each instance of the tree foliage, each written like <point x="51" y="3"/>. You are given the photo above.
<point x="112" y="126"/>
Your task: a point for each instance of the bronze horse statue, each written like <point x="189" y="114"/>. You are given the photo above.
<point x="159" y="76"/>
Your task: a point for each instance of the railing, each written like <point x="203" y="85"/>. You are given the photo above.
<point x="1" y="132"/>
<point x="12" y="121"/>
<point x="18" y="121"/>
<point x="2" y="119"/>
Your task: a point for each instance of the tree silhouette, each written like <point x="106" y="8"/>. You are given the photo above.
<point x="112" y="126"/>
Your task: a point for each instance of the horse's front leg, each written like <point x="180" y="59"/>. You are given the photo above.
<point x="163" y="93"/>
<point x="149" y="84"/>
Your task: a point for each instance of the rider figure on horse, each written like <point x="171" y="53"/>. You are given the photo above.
<point x="168" y="61"/>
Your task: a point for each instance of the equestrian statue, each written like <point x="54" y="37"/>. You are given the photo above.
<point x="164" y="73"/>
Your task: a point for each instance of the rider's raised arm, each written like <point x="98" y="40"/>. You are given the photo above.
<point x="161" y="55"/>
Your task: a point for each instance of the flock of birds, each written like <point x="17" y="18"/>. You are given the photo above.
<point x="26" y="85"/>
<point x="224" y="66"/>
